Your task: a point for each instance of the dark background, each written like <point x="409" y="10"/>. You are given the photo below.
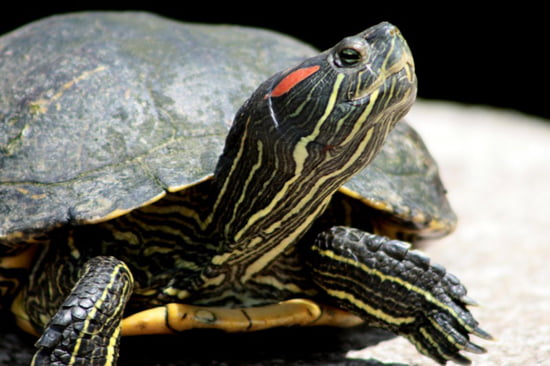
<point x="467" y="52"/>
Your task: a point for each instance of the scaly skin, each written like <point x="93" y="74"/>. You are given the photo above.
<point x="84" y="331"/>
<point x="392" y="287"/>
<point x="304" y="133"/>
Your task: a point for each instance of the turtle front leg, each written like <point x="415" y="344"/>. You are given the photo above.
<point x="86" y="328"/>
<point x="398" y="289"/>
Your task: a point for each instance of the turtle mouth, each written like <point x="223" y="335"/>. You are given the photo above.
<point x="400" y="77"/>
<point x="392" y="71"/>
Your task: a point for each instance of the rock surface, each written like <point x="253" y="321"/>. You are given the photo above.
<point x="496" y="167"/>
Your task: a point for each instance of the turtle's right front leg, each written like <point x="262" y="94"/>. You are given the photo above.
<point x="86" y="328"/>
<point x="392" y="287"/>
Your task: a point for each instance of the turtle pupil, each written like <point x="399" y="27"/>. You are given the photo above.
<point x="349" y="56"/>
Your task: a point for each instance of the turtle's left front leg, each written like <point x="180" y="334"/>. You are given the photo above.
<point x="392" y="287"/>
<point x="85" y="331"/>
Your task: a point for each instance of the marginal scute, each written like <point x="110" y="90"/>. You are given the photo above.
<point x="403" y="182"/>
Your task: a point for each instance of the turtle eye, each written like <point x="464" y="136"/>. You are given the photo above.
<point x="351" y="52"/>
<point x="349" y="57"/>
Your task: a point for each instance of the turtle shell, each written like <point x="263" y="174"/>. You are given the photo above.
<point x="403" y="184"/>
<point x="101" y="113"/>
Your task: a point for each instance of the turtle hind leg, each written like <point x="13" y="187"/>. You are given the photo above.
<point x="392" y="287"/>
<point x="86" y="328"/>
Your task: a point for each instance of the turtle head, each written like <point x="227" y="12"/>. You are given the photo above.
<point x="341" y="104"/>
<point x="308" y="129"/>
<point x="335" y="108"/>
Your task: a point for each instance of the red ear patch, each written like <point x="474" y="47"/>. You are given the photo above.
<point x="292" y="79"/>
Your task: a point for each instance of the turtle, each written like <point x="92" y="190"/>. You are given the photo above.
<point x="160" y="176"/>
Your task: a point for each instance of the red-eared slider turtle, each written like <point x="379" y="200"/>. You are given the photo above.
<point x="118" y="217"/>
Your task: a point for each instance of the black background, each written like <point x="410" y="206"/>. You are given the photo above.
<point x="468" y="52"/>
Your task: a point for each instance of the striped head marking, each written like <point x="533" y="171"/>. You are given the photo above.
<point x="331" y="103"/>
<point x="307" y="130"/>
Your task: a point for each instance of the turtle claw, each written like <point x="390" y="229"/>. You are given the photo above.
<point x="467" y="300"/>
<point x="391" y="286"/>
<point x="461" y="360"/>
<point x="482" y="334"/>
<point x="474" y="348"/>
<point x="445" y="332"/>
<point x="444" y="347"/>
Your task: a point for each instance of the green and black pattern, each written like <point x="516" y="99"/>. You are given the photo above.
<point x="130" y="204"/>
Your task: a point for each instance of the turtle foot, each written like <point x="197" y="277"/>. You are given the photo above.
<point x="393" y="287"/>
<point x="85" y="329"/>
